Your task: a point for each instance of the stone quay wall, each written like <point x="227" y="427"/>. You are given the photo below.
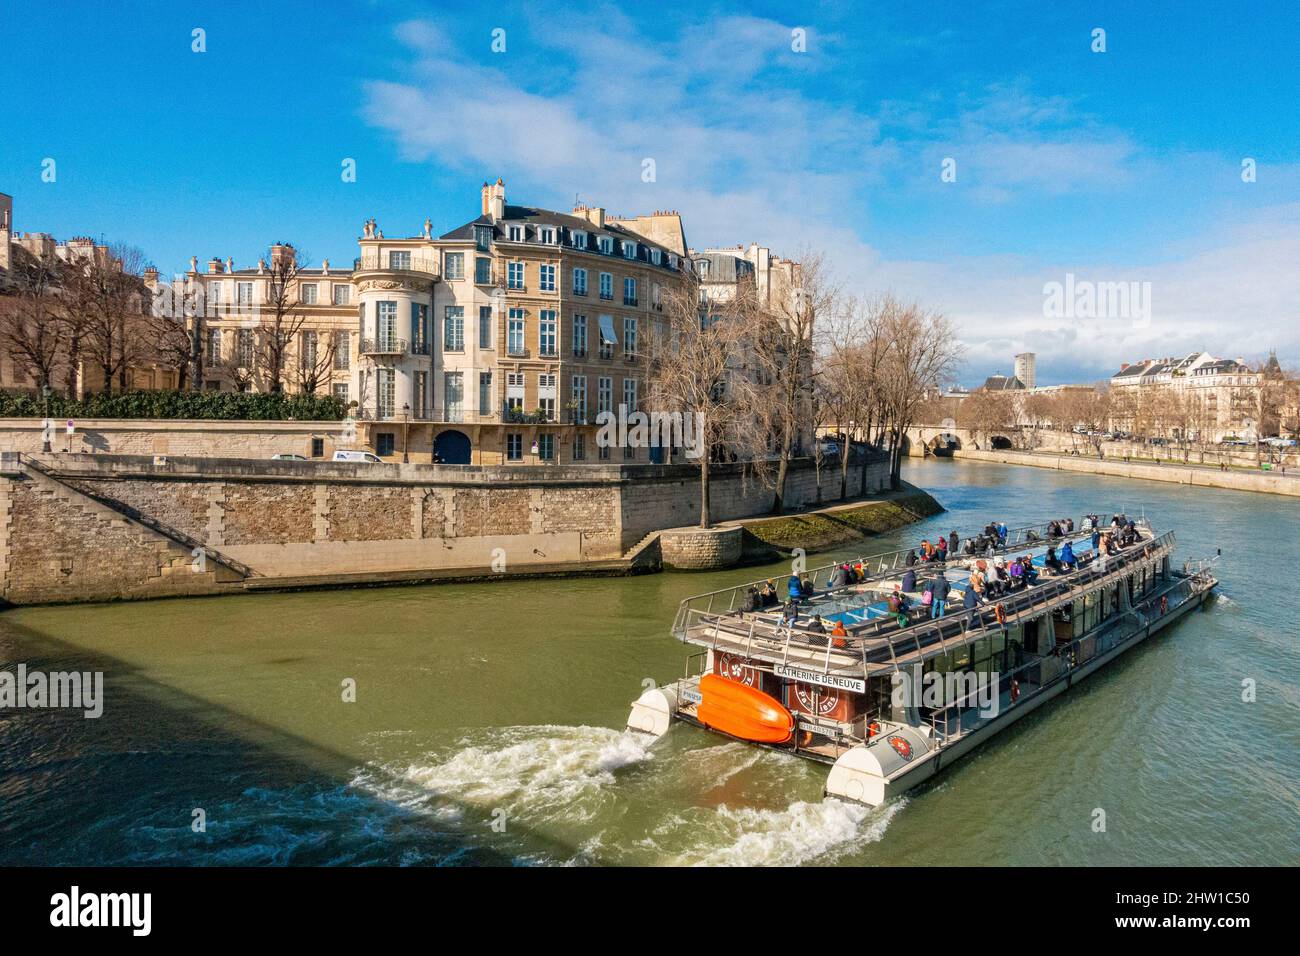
<point x="97" y="527"/>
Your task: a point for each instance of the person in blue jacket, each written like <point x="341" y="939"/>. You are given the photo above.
<point x="794" y="587"/>
<point x="1067" y="557"/>
<point x="909" y="580"/>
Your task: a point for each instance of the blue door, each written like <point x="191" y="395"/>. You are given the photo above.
<point x="452" y="448"/>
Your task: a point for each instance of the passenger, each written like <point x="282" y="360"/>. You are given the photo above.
<point x="954" y="542"/>
<point x="1050" y="560"/>
<point x="790" y="613"/>
<point x="927" y="550"/>
<point x="1069" y="526"/>
<point x="1017" y="573"/>
<point x="911" y="558"/>
<point x="941" y="552"/>
<point x="859" y="574"/>
<point x="1032" y="535"/>
<point x="939" y="589"/>
<point x="909" y="580"/>
<point x="970" y="600"/>
<point x="794" y="587"/>
<point x="969" y="547"/>
<point x="768" y="594"/>
<point x="751" y="600"/>
<point x="1096" y="538"/>
<point x="806" y="587"/>
<point x="1031" y="572"/>
<point x="1053" y="530"/>
<point x="816" y="625"/>
<point x="1002" y="535"/>
<point x="1067" y="556"/>
<point x="839" y="631"/>
<point x="841" y="577"/>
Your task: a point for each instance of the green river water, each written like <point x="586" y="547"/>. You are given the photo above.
<point x="487" y="724"/>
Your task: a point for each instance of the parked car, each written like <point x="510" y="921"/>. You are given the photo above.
<point x="347" y="454"/>
<point x="830" y="447"/>
<point x="288" y="457"/>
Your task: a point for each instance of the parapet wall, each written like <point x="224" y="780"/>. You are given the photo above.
<point x="304" y="520"/>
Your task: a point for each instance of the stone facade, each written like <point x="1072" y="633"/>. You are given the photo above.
<point x="695" y="549"/>
<point x="94" y="526"/>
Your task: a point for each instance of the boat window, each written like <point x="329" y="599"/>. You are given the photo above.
<point x="1077" y="618"/>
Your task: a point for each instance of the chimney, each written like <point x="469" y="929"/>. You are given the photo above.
<point x="593" y="214"/>
<point x="214" y="266"/>
<point x="1123" y="365"/>
<point x="487" y="198"/>
<point x="282" y="252"/>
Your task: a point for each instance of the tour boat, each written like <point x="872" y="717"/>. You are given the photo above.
<point x="893" y="700"/>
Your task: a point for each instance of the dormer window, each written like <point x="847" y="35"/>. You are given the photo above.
<point x="672" y="260"/>
<point x="547" y="235"/>
<point x="606" y="245"/>
<point x="629" y="249"/>
<point x="580" y="240"/>
<point x="656" y="256"/>
<point x="483" y="237"/>
<point x="516" y="233"/>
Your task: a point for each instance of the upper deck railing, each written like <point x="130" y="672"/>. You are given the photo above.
<point x="864" y="643"/>
<point x="877" y="566"/>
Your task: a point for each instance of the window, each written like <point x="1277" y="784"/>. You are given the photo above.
<point x="629" y="249"/>
<point x="580" y="240"/>
<point x="546" y="396"/>
<point x="454" y="396"/>
<point x="629" y="291"/>
<point x="656" y="256"/>
<point x="606" y="244"/>
<point x="318" y="448"/>
<point x="244" y="347"/>
<point x="514" y="394"/>
<point x="603" y="452"/>
<point x="342" y="350"/>
<point x="214" y="347"/>
<point x="546" y="332"/>
<point x="629" y="337"/>
<point x="399" y="260"/>
<point x="342" y="294"/>
<point x="421" y="394"/>
<point x="628" y="452"/>
<point x="386" y="326"/>
<point x="514" y="447"/>
<point x="604" y="395"/>
<point x="483" y="238"/>
<point x="672" y="260"/>
<point x="546" y="278"/>
<point x="341" y="391"/>
<point x="485" y="326"/>
<point x="244" y="291"/>
<point x="214" y="293"/>
<point x="579" y="447"/>
<point x="515" y="275"/>
<point x="453" y="265"/>
<point x="578" y="399"/>
<point x="384" y="444"/>
<point x="606" y="285"/>
<point x="419" y="329"/>
<point x="307" y="292"/>
<point x="516" y="233"/>
<point x="307" y="349"/>
<point x="580" y="336"/>
<point x="453" y="329"/>
<point x="629" y="394"/>
<point x="608" y="337"/>
<point x="385" y="393"/>
<point x="515" y="332"/>
<point x="485" y="393"/>
<point x="483" y="271"/>
<point x="579" y="281"/>
<point x="546" y="447"/>
<point x="546" y="234"/>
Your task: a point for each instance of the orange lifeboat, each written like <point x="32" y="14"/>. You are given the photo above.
<point x="743" y="711"/>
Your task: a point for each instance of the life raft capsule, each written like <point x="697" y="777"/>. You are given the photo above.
<point x="743" y="711"/>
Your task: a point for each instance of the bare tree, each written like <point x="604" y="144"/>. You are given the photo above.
<point x="983" y="413"/>
<point x="32" y="333"/>
<point x="783" y="355"/>
<point x="283" y="315"/>
<point x="315" y="360"/>
<point x="698" y="368"/>
<point x="109" y="301"/>
<point x="842" y="382"/>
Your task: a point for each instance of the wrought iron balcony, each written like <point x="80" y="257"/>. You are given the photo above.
<point x="387" y="345"/>
<point x="381" y="262"/>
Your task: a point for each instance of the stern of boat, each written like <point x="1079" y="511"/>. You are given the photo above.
<point x="653" y="712"/>
<point x="871" y="773"/>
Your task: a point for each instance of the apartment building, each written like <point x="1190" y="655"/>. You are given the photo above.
<point x="1209" y="399"/>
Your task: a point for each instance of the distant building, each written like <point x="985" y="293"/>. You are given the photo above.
<point x="1002" y="383"/>
<point x="1026" y="369"/>
<point x="1223" y="397"/>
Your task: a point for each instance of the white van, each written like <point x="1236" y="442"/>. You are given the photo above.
<point x="348" y="455"/>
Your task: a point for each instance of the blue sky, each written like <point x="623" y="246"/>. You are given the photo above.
<point x="1115" y="166"/>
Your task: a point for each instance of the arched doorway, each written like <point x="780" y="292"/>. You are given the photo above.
<point x="1001" y="442"/>
<point x="452" y="448"/>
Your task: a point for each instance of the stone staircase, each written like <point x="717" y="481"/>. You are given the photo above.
<point x="644" y="551"/>
<point x="80" y="548"/>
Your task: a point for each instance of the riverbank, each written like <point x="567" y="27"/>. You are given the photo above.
<point x="836" y="526"/>
<point x="1235" y="480"/>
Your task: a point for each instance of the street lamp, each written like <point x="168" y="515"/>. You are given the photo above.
<point x="406" y="432"/>
<point x="48" y="426"/>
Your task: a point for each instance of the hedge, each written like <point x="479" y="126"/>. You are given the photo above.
<point x="221" y="406"/>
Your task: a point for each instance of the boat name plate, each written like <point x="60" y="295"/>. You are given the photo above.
<point x="855" y="685"/>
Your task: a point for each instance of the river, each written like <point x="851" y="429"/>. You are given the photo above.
<point x="486" y="726"/>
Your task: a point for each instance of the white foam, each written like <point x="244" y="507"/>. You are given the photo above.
<point x="801" y="832"/>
